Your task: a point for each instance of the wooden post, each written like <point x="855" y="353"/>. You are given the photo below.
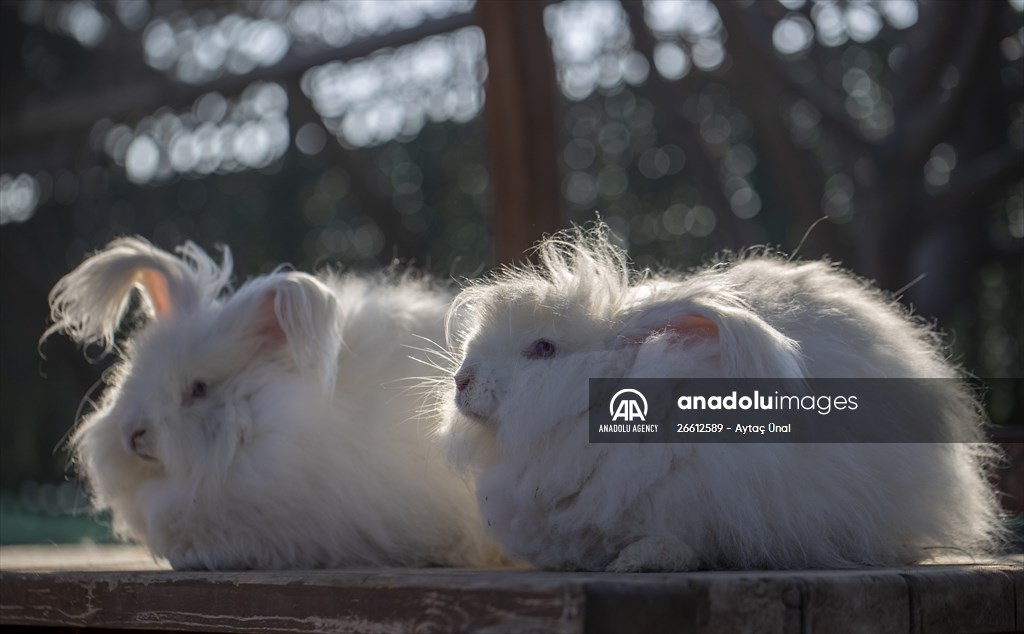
<point x="522" y="126"/>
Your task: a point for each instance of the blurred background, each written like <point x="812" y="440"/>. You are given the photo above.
<point x="452" y="134"/>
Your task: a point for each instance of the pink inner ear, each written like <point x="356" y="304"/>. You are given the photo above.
<point x="694" y="326"/>
<point x="270" y="325"/>
<point x="155" y="285"/>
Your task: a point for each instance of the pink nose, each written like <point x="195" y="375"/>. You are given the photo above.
<point x="462" y="381"/>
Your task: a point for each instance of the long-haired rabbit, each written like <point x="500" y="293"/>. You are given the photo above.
<point x="265" y="428"/>
<point x="529" y="338"/>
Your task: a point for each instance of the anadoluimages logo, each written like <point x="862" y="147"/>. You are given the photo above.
<point x="628" y="408"/>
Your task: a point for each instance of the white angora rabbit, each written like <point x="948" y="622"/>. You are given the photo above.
<point x="269" y="427"/>
<point x="529" y="338"/>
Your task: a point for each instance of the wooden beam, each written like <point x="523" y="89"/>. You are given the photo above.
<point x="981" y="596"/>
<point x="522" y="126"/>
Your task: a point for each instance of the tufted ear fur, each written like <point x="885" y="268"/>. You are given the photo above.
<point x="89" y="303"/>
<point x="747" y="345"/>
<point x="300" y="312"/>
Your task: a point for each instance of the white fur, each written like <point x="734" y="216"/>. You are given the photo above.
<point x="560" y="502"/>
<point x="307" y="449"/>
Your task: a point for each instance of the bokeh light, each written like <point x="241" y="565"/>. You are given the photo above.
<point x="592" y="47"/>
<point x="19" y="196"/>
<point x="394" y="93"/>
<point x="224" y="121"/>
<point x="79" y="19"/>
<point x="197" y="47"/>
<point x="687" y="31"/>
<point x="215" y="136"/>
<point x="793" y="34"/>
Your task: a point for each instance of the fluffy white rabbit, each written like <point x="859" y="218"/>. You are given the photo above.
<point x="517" y="414"/>
<point x="271" y="427"/>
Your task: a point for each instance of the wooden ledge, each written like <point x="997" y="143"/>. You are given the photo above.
<point x="121" y="587"/>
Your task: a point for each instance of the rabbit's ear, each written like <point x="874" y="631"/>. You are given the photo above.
<point x="748" y="345"/>
<point x="89" y="303"/>
<point x="688" y="329"/>
<point x="154" y="286"/>
<point x="685" y="324"/>
<point x="299" y="311"/>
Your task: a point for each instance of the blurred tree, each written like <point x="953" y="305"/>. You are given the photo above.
<point x="351" y="133"/>
<point x="920" y="172"/>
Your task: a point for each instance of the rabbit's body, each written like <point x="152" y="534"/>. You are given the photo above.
<point x="273" y="427"/>
<point x="531" y="338"/>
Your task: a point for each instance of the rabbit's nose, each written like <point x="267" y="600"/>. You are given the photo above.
<point x="463" y="380"/>
<point x="139" y="444"/>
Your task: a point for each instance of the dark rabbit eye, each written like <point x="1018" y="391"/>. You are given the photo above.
<point x="198" y="389"/>
<point x="540" y="349"/>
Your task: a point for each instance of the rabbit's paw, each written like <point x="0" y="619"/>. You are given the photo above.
<point x="651" y="554"/>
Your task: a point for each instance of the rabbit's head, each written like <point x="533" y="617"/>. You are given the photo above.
<point x="529" y="338"/>
<point x="179" y="405"/>
<point x="538" y="321"/>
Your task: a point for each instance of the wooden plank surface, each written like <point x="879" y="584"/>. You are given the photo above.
<point x="1018" y="589"/>
<point x="861" y="602"/>
<point x="119" y="587"/>
<point x="74" y="557"/>
<point x="965" y="600"/>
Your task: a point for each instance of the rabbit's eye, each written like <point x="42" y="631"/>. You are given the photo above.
<point x="540" y="349"/>
<point x="198" y="389"/>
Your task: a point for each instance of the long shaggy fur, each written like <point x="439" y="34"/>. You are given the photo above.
<point x="551" y="497"/>
<point x="302" y="445"/>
